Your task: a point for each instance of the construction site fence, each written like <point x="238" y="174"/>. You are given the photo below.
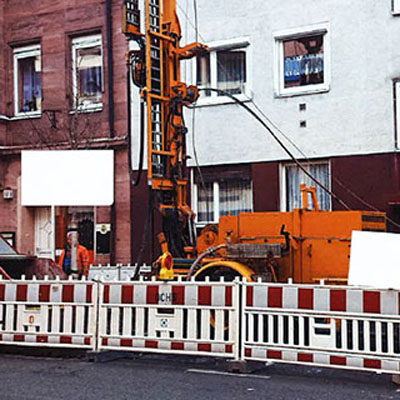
<point x="332" y="326"/>
<point x="48" y="313"/>
<point x="195" y="318"/>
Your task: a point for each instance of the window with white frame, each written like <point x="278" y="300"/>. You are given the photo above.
<point x="293" y="177"/>
<point x="87" y="72"/>
<point x="302" y="61"/>
<point x="396" y="6"/>
<point x="225" y="67"/>
<point x="213" y="200"/>
<point x="27" y="80"/>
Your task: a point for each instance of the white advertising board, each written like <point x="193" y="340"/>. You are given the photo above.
<point x="67" y="178"/>
<point x="375" y="260"/>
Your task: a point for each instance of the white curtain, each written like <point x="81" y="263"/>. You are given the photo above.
<point x="205" y="208"/>
<point x="235" y="196"/>
<point x="295" y="177"/>
<point x="231" y="71"/>
<point x="89" y="70"/>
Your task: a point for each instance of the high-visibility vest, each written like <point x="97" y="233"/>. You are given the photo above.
<point x="83" y="260"/>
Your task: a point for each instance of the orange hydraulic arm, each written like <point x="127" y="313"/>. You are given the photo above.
<point x="158" y="72"/>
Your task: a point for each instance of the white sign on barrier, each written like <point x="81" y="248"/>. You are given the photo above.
<point x="165" y="295"/>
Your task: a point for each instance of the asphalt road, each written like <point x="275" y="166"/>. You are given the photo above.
<point x="155" y="377"/>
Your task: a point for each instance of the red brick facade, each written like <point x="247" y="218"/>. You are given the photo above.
<point x="53" y="25"/>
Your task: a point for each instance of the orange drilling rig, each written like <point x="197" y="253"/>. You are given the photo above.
<point x="306" y="245"/>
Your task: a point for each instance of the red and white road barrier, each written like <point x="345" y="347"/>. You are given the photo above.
<point x="335" y="326"/>
<point x="198" y="318"/>
<point x="48" y="313"/>
<point x="343" y="327"/>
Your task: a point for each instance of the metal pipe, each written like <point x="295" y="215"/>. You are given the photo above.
<point x="110" y="75"/>
<point x="110" y="70"/>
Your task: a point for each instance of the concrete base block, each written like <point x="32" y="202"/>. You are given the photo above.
<point x="237" y="366"/>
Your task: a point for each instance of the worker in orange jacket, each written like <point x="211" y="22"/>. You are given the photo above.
<point x="83" y="258"/>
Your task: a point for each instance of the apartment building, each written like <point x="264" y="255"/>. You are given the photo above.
<point x="63" y="86"/>
<point x="324" y="76"/>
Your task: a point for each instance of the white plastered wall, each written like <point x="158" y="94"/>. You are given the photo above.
<point x="354" y="117"/>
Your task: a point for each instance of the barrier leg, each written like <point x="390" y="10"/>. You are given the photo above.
<point x="237" y="366"/>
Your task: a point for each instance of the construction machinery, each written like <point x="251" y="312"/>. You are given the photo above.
<point x="306" y="245"/>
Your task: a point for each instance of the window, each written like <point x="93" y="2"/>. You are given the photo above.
<point x="293" y="177"/>
<point x="224" y="68"/>
<point x="216" y="199"/>
<point x="27" y="80"/>
<point x="396" y="6"/>
<point x="9" y="237"/>
<point x="303" y="61"/>
<point x="87" y="69"/>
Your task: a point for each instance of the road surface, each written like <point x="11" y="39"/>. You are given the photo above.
<point x="160" y="378"/>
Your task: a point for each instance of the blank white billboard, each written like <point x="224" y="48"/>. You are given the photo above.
<point x="67" y="178"/>
<point x="375" y="260"/>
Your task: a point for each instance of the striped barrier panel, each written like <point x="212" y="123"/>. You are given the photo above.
<point x="341" y="327"/>
<point x="198" y="318"/>
<point x="48" y="313"/>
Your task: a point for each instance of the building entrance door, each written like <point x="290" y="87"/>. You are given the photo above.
<point x="44" y="232"/>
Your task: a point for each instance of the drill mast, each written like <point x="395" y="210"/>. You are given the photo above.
<point x="157" y="71"/>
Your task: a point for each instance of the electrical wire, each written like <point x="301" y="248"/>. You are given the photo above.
<point x="295" y="160"/>
<point x="337" y="180"/>
<point x="196" y="158"/>
<point x="145" y="234"/>
<point x="334" y="178"/>
<point x="198" y="168"/>
<point x="196" y="20"/>
<point x="281" y="144"/>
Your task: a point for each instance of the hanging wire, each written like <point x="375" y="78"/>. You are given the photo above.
<point x="295" y="160"/>
<point x="196" y="20"/>
<point x="337" y="180"/>
<point x="281" y="144"/>
<point x="305" y="171"/>
<point x="196" y="158"/>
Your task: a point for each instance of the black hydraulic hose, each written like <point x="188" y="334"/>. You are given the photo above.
<point x="211" y="250"/>
<point x="145" y="235"/>
<point x="287" y="151"/>
<point x="111" y="116"/>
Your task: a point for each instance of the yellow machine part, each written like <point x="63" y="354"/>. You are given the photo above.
<point x="241" y="269"/>
<point x="167" y="266"/>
